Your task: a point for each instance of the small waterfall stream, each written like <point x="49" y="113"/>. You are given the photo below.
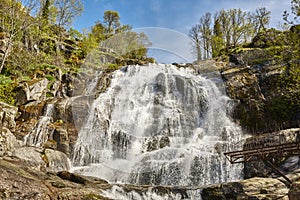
<point x="158" y="125"/>
<point x="41" y="132"/>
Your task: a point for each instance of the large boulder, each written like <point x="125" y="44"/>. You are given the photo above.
<point x="254" y="188"/>
<point x="34" y="90"/>
<point x="18" y="181"/>
<point x="7" y="116"/>
<point x="8" y="142"/>
<point x="56" y="161"/>
<point x="31" y="156"/>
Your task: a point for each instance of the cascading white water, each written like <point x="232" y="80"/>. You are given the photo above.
<point x="158" y="125"/>
<point x="41" y="132"/>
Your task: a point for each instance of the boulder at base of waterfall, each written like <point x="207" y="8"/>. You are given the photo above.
<point x="254" y="188"/>
<point x="34" y="90"/>
<point x="17" y="181"/>
<point x="56" y="160"/>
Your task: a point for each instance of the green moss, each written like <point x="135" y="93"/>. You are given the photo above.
<point x="92" y="196"/>
<point x="50" y="78"/>
<point x="49" y="95"/>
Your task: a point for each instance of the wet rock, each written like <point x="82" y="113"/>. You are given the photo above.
<point x="31" y="110"/>
<point x="61" y="138"/>
<point x="241" y="83"/>
<point x="34" y="90"/>
<point x="24" y="127"/>
<point x="261" y="107"/>
<point x="71" y="112"/>
<point x="156" y="142"/>
<point x="56" y="160"/>
<point x="71" y="177"/>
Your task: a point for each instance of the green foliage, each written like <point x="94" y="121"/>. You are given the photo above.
<point x="230" y="29"/>
<point x="45" y="10"/>
<point x="50" y="78"/>
<point x="4" y="80"/>
<point x="7" y="87"/>
<point x="75" y="34"/>
<point x="117" y="42"/>
<point x="49" y="95"/>
<point x="46" y="66"/>
<point x="112" y="21"/>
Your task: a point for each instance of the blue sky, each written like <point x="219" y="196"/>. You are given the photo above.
<point x="175" y="15"/>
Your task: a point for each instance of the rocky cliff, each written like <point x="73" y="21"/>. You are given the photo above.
<point x="267" y="109"/>
<point x="31" y="163"/>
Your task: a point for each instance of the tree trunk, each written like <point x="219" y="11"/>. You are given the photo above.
<point x="5" y="54"/>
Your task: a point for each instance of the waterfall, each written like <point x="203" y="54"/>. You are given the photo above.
<point x="41" y="132"/>
<point x="158" y="125"/>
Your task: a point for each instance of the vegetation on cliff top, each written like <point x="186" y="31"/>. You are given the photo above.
<point x="36" y="35"/>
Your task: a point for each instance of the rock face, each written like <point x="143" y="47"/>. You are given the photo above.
<point x="20" y="182"/>
<point x="255" y="79"/>
<point x="7" y="124"/>
<point x="8" y="142"/>
<point x="252" y="79"/>
<point x="7" y="116"/>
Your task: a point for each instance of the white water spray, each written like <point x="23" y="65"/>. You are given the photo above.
<point x="158" y="125"/>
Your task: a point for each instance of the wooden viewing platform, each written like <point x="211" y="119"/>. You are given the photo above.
<point x="255" y="154"/>
<point x="264" y="153"/>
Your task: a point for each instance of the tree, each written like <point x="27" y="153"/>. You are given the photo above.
<point x="217" y="40"/>
<point x="295" y="6"/>
<point x="67" y="10"/>
<point x="195" y="36"/>
<point x="205" y="30"/>
<point x="45" y="10"/>
<point x="98" y="31"/>
<point x="224" y="20"/>
<point x="239" y="26"/>
<point x="14" y="22"/>
<point x="111" y="21"/>
<point x="261" y="19"/>
<point x="128" y="45"/>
